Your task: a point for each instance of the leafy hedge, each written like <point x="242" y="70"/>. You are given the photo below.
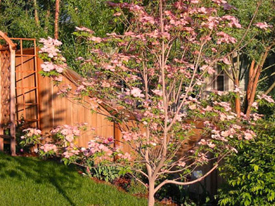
<point x="250" y="174"/>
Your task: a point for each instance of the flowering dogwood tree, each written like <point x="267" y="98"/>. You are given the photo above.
<point x="151" y="79"/>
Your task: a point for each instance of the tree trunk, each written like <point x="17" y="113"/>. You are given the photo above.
<point x="47" y="20"/>
<point x="36" y="17"/>
<point x="250" y="80"/>
<point x="47" y="17"/>
<point x="253" y="91"/>
<point x="254" y="75"/>
<point x="151" y="197"/>
<point x="237" y="99"/>
<point x="56" y="19"/>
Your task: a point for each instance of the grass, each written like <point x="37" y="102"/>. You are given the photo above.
<point x="26" y="181"/>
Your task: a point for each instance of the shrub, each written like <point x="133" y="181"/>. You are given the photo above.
<point x="250" y="173"/>
<point x="105" y="172"/>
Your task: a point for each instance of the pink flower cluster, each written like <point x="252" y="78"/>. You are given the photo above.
<point x="248" y="135"/>
<point x="233" y="21"/>
<point x="97" y="147"/>
<point x="220" y="2"/>
<point x="49" y="66"/>
<point x="256" y="116"/>
<point x="136" y="10"/>
<point x="95" y="39"/>
<point x="216" y="135"/>
<point x="266" y="98"/>
<point x="84" y="29"/>
<point x="136" y="92"/>
<point x="49" y="147"/>
<point x="70" y="151"/>
<point x="234" y="130"/>
<point x="207" y="142"/>
<point x="80" y="89"/>
<point x="69" y="132"/>
<point x="209" y="69"/>
<point x="212" y="22"/>
<point x="57" y="62"/>
<point x="50" y="46"/>
<point x="129" y="136"/>
<point x="202" y="157"/>
<point x="225" y="38"/>
<point x="31" y="132"/>
<point x="263" y="25"/>
<point x="125" y="156"/>
<point x="225" y="105"/>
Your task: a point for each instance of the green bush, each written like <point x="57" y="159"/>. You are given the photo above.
<point x="105" y="172"/>
<point x="250" y="174"/>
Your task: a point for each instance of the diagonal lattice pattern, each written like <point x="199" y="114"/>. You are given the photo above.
<point x="5" y="86"/>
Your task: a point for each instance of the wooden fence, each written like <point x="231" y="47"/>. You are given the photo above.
<point x="41" y="106"/>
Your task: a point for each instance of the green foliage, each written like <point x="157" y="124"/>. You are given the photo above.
<point x="17" y="19"/>
<point x="267" y="110"/>
<point x="95" y="15"/>
<point x="256" y="39"/>
<point x="182" y="195"/>
<point x="105" y="172"/>
<point x="250" y="173"/>
<point x="136" y="188"/>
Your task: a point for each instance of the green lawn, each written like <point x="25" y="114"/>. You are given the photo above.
<point x="33" y="182"/>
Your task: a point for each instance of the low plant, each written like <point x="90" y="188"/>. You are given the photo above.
<point x="105" y="172"/>
<point x="61" y="144"/>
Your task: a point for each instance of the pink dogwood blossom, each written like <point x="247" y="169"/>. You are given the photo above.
<point x="225" y="38"/>
<point x="136" y="92"/>
<point x="49" y="147"/>
<point x="263" y="25"/>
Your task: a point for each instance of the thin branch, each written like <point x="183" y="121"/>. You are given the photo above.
<point x="266" y="77"/>
<point x="137" y="179"/>
<point x="266" y="68"/>
<point x="141" y="172"/>
<point x="185" y="183"/>
<point x="270" y="88"/>
<point x="189" y="88"/>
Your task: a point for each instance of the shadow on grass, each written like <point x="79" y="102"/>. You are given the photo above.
<point x="40" y="172"/>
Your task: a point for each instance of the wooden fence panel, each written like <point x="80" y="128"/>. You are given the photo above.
<point x="56" y="110"/>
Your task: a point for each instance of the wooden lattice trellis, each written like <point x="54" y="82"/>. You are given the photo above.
<point x="5" y="87"/>
<point x="27" y="91"/>
<point x="18" y="87"/>
<point x="7" y="92"/>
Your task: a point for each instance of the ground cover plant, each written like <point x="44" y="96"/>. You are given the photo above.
<point x="32" y="181"/>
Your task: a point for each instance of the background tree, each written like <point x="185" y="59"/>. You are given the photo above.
<point x="256" y="41"/>
<point x="56" y="19"/>
<point x="36" y="19"/>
